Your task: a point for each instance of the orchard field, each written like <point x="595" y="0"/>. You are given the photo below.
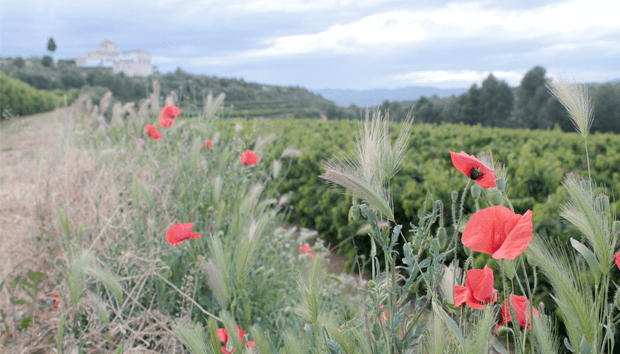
<point x="536" y="161"/>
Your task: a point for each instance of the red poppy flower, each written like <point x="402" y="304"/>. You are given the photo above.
<point x="180" y="232"/>
<point x="222" y="335"/>
<point x="519" y="305"/>
<point x="211" y="228"/>
<point x="384" y="315"/>
<point x="499" y="232"/>
<point x="249" y="158"/>
<point x="618" y="259"/>
<point x="151" y="130"/>
<point x="166" y="122"/>
<point x="209" y="144"/>
<point x="474" y="169"/>
<point x="306" y="249"/>
<point x="170" y="111"/>
<point x="478" y="289"/>
<point x="55" y="296"/>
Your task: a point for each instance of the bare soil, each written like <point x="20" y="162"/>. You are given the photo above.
<point x="30" y="149"/>
<point x="25" y="144"/>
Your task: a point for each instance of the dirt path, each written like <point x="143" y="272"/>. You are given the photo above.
<point x="26" y="145"/>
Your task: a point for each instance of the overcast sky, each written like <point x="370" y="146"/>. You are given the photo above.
<point x="341" y="44"/>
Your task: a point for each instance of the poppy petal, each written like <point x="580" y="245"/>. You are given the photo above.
<point x="178" y="233"/>
<point x="618" y="259"/>
<point x="481" y="281"/>
<point x="170" y="111"/>
<point x="249" y="158"/>
<point x="222" y="335"/>
<point x="517" y="240"/>
<point x="460" y="295"/>
<point x="473" y="302"/>
<point x="483" y="232"/>
<point x="166" y="122"/>
<point x="465" y="163"/>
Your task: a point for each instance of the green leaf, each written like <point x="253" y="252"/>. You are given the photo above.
<point x="454" y="328"/>
<point x="21" y="302"/>
<point x="14" y="282"/>
<point x="35" y="276"/>
<point x="589" y="257"/>
<point x="584" y="347"/>
<point x="25" y="323"/>
<point x="498" y="346"/>
<point x="2" y="284"/>
<point x="61" y="330"/>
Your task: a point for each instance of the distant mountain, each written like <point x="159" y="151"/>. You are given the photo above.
<point x="367" y="98"/>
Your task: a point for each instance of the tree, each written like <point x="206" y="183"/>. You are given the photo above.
<point x="532" y="96"/>
<point x="19" y="62"/>
<point x="47" y="61"/>
<point x="470" y="106"/>
<point x="606" y="109"/>
<point x="425" y="111"/>
<point x="496" y="102"/>
<point x="51" y="45"/>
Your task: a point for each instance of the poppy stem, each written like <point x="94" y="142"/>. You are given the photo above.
<point x="190" y="299"/>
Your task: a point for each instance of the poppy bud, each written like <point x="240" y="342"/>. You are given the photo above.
<point x="502" y="331"/>
<point x="376" y="331"/>
<point x="496" y="197"/>
<point x="260" y="270"/>
<point x="280" y="322"/>
<point x="371" y="284"/>
<point x="287" y="311"/>
<point x="455" y="196"/>
<point x="501" y="184"/>
<point x="442" y="236"/>
<point x="435" y="246"/>
<point x="475" y="191"/>
<point x="354" y="213"/>
<point x="165" y="271"/>
<point x="270" y="272"/>
<point x="603" y="201"/>
<point x="210" y="209"/>
<point x="220" y="234"/>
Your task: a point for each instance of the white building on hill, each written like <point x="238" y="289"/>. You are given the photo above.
<point x="132" y="63"/>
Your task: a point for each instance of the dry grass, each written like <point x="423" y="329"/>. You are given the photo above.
<point x="42" y="170"/>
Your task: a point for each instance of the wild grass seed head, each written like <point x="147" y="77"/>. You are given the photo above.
<point x="575" y="98"/>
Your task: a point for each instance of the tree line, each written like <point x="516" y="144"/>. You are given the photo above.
<point x="530" y="105"/>
<point x="492" y="104"/>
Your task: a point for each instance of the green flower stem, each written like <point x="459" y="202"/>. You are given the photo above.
<point x="456" y="231"/>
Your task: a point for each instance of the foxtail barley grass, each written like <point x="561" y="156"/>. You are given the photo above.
<point x="575" y="98"/>
<point x="366" y="173"/>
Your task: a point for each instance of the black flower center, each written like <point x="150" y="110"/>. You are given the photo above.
<point x="475" y="173"/>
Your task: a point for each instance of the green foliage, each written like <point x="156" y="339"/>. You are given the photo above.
<point x="51" y="45"/>
<point x="23" y="99"/>
<point x="535" y="165"/>
<point x="47" y="61"/>
<point x="19" y="62"/>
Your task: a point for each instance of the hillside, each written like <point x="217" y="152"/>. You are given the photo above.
<point x="368" y="98"/>
<point x="257" y="99"/>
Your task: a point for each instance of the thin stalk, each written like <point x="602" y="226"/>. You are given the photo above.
<point x="587" y="157"/>
<point x="456" y="231"/>
<point x="190" y="299"/>
<point x="529" y="303"/>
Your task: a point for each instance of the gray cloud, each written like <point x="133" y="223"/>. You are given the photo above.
<point x="328" y="44"/>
